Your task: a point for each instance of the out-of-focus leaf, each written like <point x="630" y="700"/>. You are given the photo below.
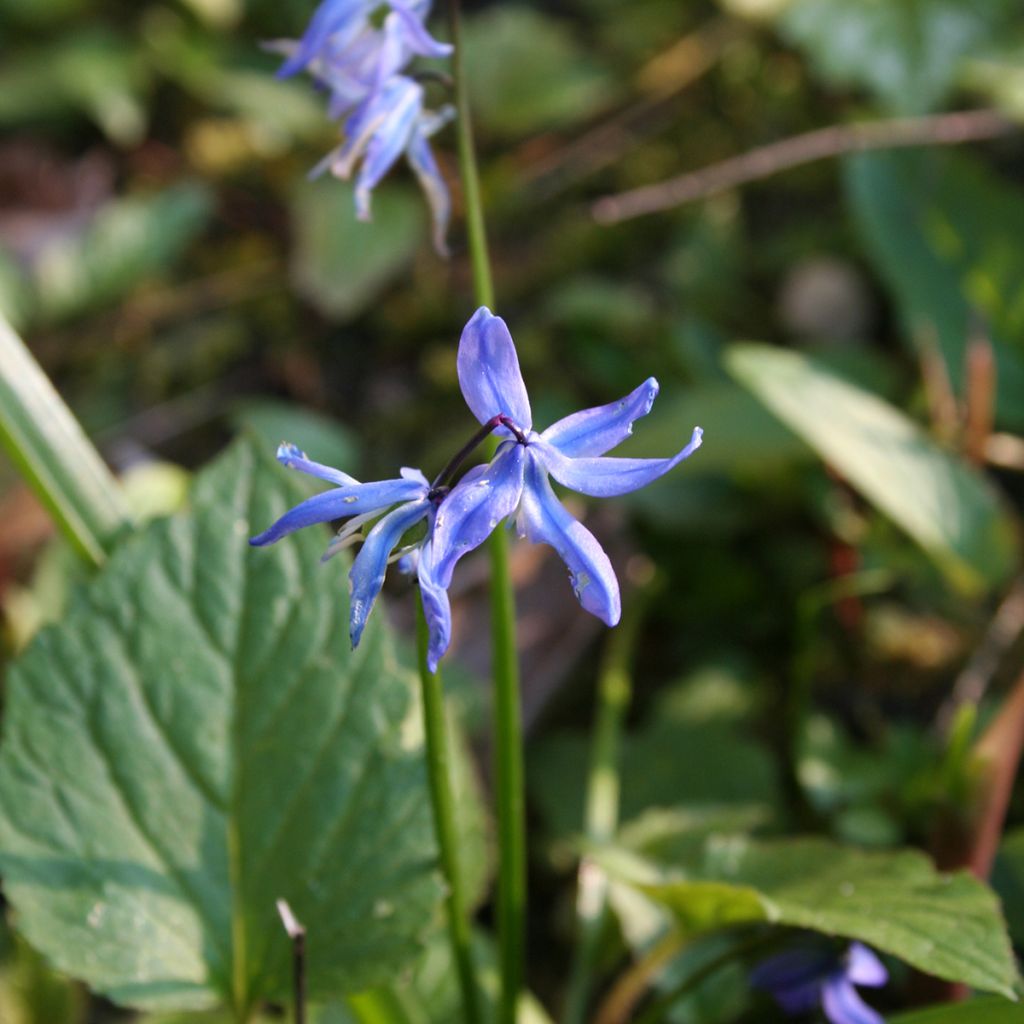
<point x="527" y="72"/>
<point x="95" y="72"/>
<point x="15" y="292"/>
<point x="129" y="240"/>
<point x="906" y="52"/>
<point x="274" y="422"/>
<point x="1000" y="77"/>
<point x="47" y="444"/>
<point x="975" y="1011"/>
<point x="340" y="264"/>
<point x="31" y="993"/>
<point x="1008" y="881"/>
<point x="946" y="506"/>
<point x="944" y="232"/>
<point x="196" y="739"/>
<point x="946" y="925"/>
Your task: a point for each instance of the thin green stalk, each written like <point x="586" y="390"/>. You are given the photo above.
<point x="601" y="812"/>
<point x="50" y="449"/>
<point x="508" y="733"/>
<point x="439" y="773"/>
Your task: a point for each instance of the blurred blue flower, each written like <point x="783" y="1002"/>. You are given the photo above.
<point x="801" y="979"/>
<point x="398" y="505"/>
<point x="516" y="481"/>
<point x="360" y="61"/>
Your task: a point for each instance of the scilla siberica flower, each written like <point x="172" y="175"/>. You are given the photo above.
<point x="360" y="64"/>
<point x="801" y="979"/>
<point x="516" y="481"/>
<point x="407" y="501"/>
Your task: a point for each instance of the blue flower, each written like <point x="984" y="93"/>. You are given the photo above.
<point x="801" y="979"/>
<point x="398" y="505"/>
<point x="360" y="65"/>
<point x="516" y="481"/>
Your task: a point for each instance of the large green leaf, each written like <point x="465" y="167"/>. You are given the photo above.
<point x="946" y="925"/>
<point x="945" y="233"/>
<point x="945" y="505"/>
<point x="976" y="1011"/>
<point x="195" y="740"/>
<point x="907" y="52"/>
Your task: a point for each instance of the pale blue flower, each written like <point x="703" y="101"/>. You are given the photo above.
<point x="801" y="979"/>
<point x="398" y="505"/>
<point x="516" y="483"/>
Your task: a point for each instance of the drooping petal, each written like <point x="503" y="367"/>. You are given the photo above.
<point x="599" y="430"/>
<point x="367" y="573"/>
<point x="489" y="372"/>
<point x="348" y="535"/>
<point x="330" y="17"/>
<point x="409" y="473"/>
<point x="842" y="1005"/>
<point x="863" y="967"/>
<point x="294" y="458"/>
<point x="605" y="477"/>
<point x="546" y="521"/>
<point x="422" y="161"/>
<point x="467" y="516"/>
<point x="418" y="40"/>
<point x="436" y="607"/>
<point x="351" y="500"/>
<point x="794" y="977"/>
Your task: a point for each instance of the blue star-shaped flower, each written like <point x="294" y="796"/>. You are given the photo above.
<point x="407" y="501"/>
<point x="801" y="979"/>
<point x="516" y="481"/>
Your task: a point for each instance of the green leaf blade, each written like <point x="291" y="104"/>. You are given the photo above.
<point x="943" y="504"/>
<point x="195" y="741"/>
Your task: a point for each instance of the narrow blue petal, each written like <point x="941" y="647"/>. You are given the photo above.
<point x="863" y="967"/>
<point x="547" y="522"/>
<point x="467" y="516"/>
<point x="327" y="19"/>
<point x="340" y="503"/>
<point x="294" y="458"/>
<point x="596" y="431"/>
<point x="367" y="573"/>
<point x="605" y="477"/>
<point x="792" y="967"/>
<point x="418" y="39"/>
<point x="842" y="1005"/>
<point x="421" y="160"/>
<point x="436" y="608"/>
<point x="489" y="372"/>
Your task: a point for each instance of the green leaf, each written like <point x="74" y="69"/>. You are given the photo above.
<point x="340" y="264"/>
<point x="946" y="506"/>
<point x="129" y="240"/>
<point x="527" y="72"/>
<point x="1008" y="881"/>
<point x="908" y="53"/>
<point x="46" y="443"/>
<point x="976" y="1011"/>
<point x="896" y="902"/>
<point x="944" y="232"/>
<point x="196" y="740"/>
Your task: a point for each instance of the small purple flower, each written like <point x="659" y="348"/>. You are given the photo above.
<point x="516" y="481"/>
<point x="398" y="505"/>
<point x="801" y="979"/>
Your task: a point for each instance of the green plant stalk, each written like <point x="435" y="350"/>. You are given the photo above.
<point x="443" y="802"/>
<point x="508" y="733"/>
<point x="601" y="810"/>
<point x="50" y="449"/>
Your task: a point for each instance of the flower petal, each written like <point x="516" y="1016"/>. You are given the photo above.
<point x="467" y="516"/>
<point x="436" y="607"/>
<point x="418" y="40"/>
<point x="863" y="967"/>
<point x="329" y="18"/>
<point x="489" y="372"/>
<point x="596" y="431"/>
<point x="294" y="458"/>
<point x="605" y="477"/>
<point x="352" y="500"/>
<point x="547" y="522"/>
<point x="842" y="1005"/>
<point x="367" y="573"/>
<point x="794" y="977"/>
<point x="422" y="161"/>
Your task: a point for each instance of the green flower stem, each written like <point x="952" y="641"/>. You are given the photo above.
<point x="50" y="449"/>
<point x="508" y="733"/>
<point x="442" y="799"/>
<point x="601" y="812"/>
